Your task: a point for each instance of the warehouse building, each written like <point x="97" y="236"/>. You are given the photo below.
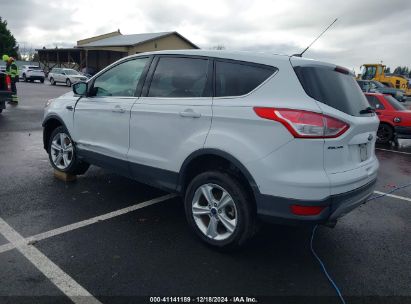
<point x="97" y="52"/>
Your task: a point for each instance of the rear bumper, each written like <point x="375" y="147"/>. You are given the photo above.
<point x="35" y="77"/>
<point x="278" y="209"/>
<point x="403" y="132"/>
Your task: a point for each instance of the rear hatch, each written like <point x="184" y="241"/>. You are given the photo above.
<point x="34" y="71"/>
<point x="338" y="95"/>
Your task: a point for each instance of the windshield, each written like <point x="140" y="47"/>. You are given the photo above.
<point x="71" y="72"/>
<point x="395" y="103"/>
<point x="368" y="72"/>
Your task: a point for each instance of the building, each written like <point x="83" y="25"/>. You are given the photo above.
<point x="97" y="52"/>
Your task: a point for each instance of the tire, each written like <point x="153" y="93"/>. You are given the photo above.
<point x="52" y="81"/>
<point x="1" y="110"/>
<point x="24" y="78"/>
<point x="64" y="158"/>
<point x="238" y="210"/>
<point x="68" y="82"/>
<point x="385" y="133"/>
<point x="42" y="80"/>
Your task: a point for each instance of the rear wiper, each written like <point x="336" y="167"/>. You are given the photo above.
<point x="367" y="110"/>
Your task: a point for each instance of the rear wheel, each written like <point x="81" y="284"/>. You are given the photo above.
<point x="24" y="78"/>
<point x="62" y="153"/>
<point x="385" y="133"/>
<point x="42" y="80"/>
<point x="219" y="210"/>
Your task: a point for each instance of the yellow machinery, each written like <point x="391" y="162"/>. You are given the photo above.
<point x="376" y="72"/>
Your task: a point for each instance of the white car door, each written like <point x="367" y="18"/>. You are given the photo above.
<point x="101" y="120"/>
<point x="171" y="119"/>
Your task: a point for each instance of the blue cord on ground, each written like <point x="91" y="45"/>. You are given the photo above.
<point x="322" y="263"/>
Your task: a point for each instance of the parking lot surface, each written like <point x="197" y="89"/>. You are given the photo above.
<point x="112" y="240"/>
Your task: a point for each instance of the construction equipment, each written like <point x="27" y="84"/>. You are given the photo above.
<point x="375" y="71"/>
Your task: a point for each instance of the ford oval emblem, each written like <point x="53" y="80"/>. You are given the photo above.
<point x="370" y="137"/>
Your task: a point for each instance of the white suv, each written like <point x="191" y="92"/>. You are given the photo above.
<point x="241" y="136"/>
<point x="32" y="73"/>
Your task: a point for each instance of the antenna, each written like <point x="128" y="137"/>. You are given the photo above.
<point x="301" y="54"/>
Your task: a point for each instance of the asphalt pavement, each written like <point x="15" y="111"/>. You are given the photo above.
<point x="59" y="240"/>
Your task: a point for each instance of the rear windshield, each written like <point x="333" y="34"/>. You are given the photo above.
<point x="34" y="68"/>
<point x="395" y="103"/>
<point x="335" y="89"/>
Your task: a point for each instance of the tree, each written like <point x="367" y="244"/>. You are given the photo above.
<point x="387" y="70"/>
<point x="8" y="44"/>
<point x="397" y="70"/>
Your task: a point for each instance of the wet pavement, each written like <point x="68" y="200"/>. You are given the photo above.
<point x="151" y="251"/>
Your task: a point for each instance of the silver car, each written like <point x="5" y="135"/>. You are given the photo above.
<point x="67" y="76"/>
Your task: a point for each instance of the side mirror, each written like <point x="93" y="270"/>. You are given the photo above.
<point x="80" y="88"/>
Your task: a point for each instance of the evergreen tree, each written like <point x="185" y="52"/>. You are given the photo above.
<point x="8" y="44"/>
<point x="397" y="70"/>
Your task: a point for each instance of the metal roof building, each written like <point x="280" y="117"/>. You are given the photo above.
<point x="97" y="52"/>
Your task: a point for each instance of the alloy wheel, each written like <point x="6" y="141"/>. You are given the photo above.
<point x="61" y="151"/>
<point x="214" y="212"/>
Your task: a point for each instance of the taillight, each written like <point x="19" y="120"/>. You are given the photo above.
<point x="305" y="124"/>
<point x="8" y="82"/>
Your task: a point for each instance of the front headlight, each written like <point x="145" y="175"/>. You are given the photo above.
<point x="48" y="103"/>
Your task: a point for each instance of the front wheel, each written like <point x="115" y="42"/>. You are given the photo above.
<point x="52" y="81"/>
<point x="62" y="153"/>
<point x="385" y="133"/>
<point x="24" y="78"/>
<point x="68" y="82"/>
<point x="219" y="210"/>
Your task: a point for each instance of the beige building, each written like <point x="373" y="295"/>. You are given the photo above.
<point x="97" y="52"/>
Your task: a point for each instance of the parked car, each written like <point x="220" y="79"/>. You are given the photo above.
<point x="240" y="136"/>
<point x="32" y="73"/>
<point x="5" y="90"/>
<point x="395" y="118"/>
<point x="373" y="86"/>
<point x="67" y="76"/>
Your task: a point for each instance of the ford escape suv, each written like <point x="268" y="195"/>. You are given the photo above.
<point x="241" y="136"/>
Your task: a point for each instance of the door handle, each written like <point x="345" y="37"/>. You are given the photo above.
<point x="190" y="113"/>
<point x="70" y="108"/>
<point x="118" y="109"/>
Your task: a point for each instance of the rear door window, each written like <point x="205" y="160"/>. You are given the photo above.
<point x="236" y="79"/>
<point x="333" y="88"/>
<point x="180" y="77"/>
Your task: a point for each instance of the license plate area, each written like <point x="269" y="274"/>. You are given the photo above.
<point x="363" y="148"/>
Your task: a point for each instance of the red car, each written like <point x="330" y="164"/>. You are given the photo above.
<point x="395" y="119"/>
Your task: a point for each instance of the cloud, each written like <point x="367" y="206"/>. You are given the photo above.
<point x="367" y="31"/>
